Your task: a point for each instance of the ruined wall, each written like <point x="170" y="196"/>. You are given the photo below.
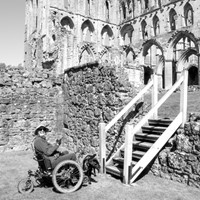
<point x="28" y="99"/>
<point x="180" y="160"/>
<point x="94" y="93"/>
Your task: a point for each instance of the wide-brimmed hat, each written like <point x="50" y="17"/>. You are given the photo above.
<point x="39" y="128"/>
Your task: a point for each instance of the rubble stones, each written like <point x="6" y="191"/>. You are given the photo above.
<point x="27" y="99"/>
<point x="182" y="162"/>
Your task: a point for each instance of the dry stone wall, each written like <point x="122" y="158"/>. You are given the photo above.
<point x="28" y="99"/>
<point x="180" y="159"/>
<point x="94" y="93"/>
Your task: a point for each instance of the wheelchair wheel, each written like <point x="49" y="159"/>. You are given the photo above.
<point x="67" y="176"/>
<point x="25" y="186"/>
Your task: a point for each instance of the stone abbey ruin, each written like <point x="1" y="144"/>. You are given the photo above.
<point x="86" y="59"/>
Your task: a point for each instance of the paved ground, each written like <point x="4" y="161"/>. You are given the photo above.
<point x="14" y="166"/>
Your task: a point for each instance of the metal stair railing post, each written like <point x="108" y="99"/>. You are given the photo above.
<point x="154" y="95"/>
<point x="184" y="97"/>
<point x="102" y="147"/>
<point x="128" y="153"/>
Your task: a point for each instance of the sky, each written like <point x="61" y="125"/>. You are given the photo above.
<point x="12" y="22"/>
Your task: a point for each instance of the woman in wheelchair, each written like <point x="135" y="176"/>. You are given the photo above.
<point x="49" y="152"/>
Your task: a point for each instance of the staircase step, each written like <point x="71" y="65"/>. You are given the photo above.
<point x="153" y="129"/>
<point x="117" y="171"/>
<point x="141" y="145"/>
<point x="136" y="155"/>
<point x="120" y="161"/>
<point x="146" y="137"/>
<point x="160" y="122"/>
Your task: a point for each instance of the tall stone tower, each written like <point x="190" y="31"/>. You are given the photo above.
<point x="143" y="36"/>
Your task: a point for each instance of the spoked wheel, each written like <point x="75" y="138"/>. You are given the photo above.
<point x="67" y="176"/>
<point x="25" y="186"/>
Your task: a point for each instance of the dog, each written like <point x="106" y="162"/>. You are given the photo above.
<point x="90" y="165"/>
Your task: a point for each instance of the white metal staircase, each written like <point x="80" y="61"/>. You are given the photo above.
<point x="144" y="141"/>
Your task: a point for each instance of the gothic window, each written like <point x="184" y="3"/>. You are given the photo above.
<point x="130" y="9"/>
<point x="106" y="35"/>
<point x="172" y="18"/>
<point x="124" y="10"/>
<point x="144" y="30"/>
<point x="156" y="25"/>
<point x="87" y="30"/>
<point x="67" y="23"/>
<point x="146" y="4"/>
<point x="126" y="33"/>
<point x="130" y="56"/>
<point x="188" y="14"/>
<point x="107" y="11"/>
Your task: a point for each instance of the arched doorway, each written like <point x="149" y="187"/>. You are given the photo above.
<point x="147" y="74"/>
<point x="183" y="49"/>
<point x="193" y="75"/>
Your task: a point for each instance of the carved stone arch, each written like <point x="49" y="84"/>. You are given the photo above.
<point x="128" y="49"/>
<point x="172" y="19"/>
<point x="183" y="63"/>
<point x="154" y="59"/>
<point x="106" y="34"/>
<point x="126" y="33"/>
<point x="189" y="20"/>
<point x="178" y="35"/>
<point x="105" y="51"/>
<point x="123" y="9"/>
<point x="67" y="22"/>
<point x="144" y="29"/>
<point x="87" y="31"/>
<point x="107" y="29"/>
<point x="147" y="44"/>
<point x="89" y="24"/>
<point x="156" y="25"/>
<point x="184" y="58"/>
<point x="126" y="28"/>
<point x="90" y="49"/>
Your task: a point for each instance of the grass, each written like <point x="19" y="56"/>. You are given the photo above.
<point x="171" y="107"/>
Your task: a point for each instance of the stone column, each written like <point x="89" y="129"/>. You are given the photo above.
<point x="168" y="74"/>
<point x="198" y="68"/>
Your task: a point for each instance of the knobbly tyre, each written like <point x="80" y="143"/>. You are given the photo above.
<point x="67" y="176"/>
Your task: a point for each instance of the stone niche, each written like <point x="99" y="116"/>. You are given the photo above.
<point x="94" y="93"/>
<point x="180" y="159"/>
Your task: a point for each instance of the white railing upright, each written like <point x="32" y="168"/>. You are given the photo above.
<point x="130" y="130"/>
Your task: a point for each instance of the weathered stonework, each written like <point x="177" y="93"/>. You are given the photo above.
<point x="27" y="100"/>
<point x="143" y="36"/>
<point x="95" y="93"/>
<point x="180" y="159"/>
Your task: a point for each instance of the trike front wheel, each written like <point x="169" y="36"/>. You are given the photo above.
<point x="25" y="186"/>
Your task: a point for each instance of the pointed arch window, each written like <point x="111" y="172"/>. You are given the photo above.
<point x="172" y="18"/>
<point x="156" y="25"/>
<point x="106" y="35"/>
<point x="188" y="14"/>
<point x="146" y="4"/>
<point x="123" y="10"/>
<point x="144" y="30"/>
